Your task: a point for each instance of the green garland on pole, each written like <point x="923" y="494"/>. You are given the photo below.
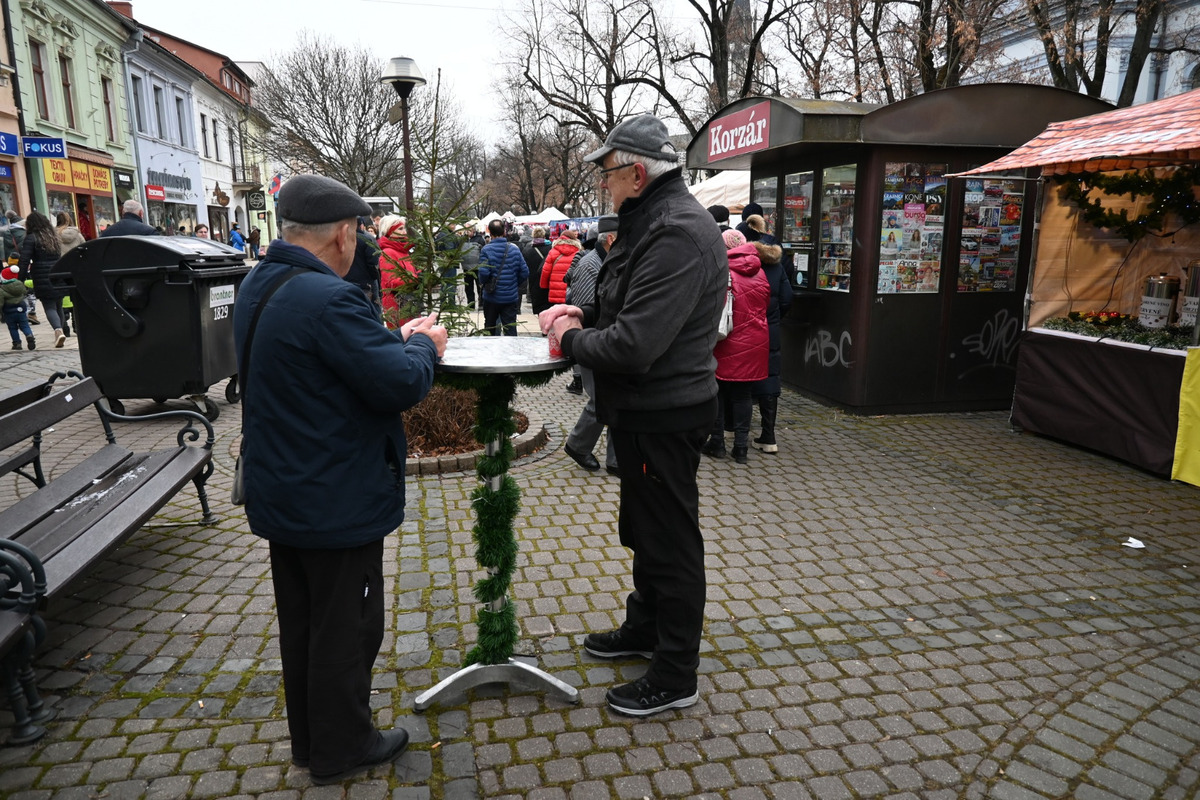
<point x="495" y="510"/>
<point x="1174" y="194"/>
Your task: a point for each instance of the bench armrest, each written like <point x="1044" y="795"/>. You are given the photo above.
<point x="14" y="571"/>
<point x="189" y="432"/>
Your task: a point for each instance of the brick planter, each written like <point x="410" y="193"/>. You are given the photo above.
<point x="535" y="436"/>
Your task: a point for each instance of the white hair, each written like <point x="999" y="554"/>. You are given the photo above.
<point x="131" y="207"/>
<point x="655" y="167"/>
<point x="322" y="230"/>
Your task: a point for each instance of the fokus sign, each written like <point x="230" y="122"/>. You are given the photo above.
<point x="743" y="132"/>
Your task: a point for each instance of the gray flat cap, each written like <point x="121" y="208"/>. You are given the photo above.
<point x="315" y="199"/>
<point x="644" y="135"/>
<point x="607" y="223"/>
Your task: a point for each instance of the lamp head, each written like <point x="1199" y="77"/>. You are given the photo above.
<point x="403" y="76"/>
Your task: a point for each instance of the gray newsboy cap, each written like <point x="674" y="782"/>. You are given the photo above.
<point x="607" y="223"/>
<point x="644" y="135"/>
<point x="315" y="199"/>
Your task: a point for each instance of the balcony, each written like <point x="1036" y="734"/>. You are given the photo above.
<point x="246" y="176"/>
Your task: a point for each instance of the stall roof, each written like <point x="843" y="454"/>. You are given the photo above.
<point x="1162" y="132"/>
<point x="978" y="115"/>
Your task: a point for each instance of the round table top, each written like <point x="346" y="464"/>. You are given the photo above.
<point x="498" y="355"/>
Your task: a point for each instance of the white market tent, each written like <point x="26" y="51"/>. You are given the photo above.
<point x="730" y="188"/>
<point x="551" y="214"/>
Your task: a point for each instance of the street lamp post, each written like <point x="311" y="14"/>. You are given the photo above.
<point x="404" y="76"/>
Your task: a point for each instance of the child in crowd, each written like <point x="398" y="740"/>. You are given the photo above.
<point x="13" y="290"/>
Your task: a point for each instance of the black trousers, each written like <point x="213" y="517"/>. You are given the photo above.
<point x="660" y="523"/>
<point x="330" y="606"/>
<point x="497" y="315"/>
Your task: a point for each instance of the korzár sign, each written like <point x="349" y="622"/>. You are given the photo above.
<point x="743" y="132"/>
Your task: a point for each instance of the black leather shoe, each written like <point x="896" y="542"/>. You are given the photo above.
<point x="576" y="385"/>
<point x="714" y="447"/>
<point x="611" y="470"/>
<point x="643" y="698"/>
<point x="387" y="748"/>
<point x="585" y="460"/>
<point x="739" y="454"/>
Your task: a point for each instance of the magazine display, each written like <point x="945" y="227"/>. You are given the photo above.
<point x="911" y="231"/>
<point x="991" y="235"/>
<point x="837" y="228"/>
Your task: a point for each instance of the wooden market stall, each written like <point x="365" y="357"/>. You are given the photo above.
<point x="909" y="282"/>
<point x="1090" y="371"/>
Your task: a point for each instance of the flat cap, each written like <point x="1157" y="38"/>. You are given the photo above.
<point x="644" y="135"/>
<point x="315" y="199"/>
<point x="607" y="223"/>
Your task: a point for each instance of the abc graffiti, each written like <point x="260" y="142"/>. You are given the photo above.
<point x="827" y="351"/>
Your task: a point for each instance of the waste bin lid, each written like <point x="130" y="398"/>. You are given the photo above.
<point x="141" y="254"/>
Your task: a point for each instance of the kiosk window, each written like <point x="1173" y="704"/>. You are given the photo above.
<point x="991" y="235"/>
<point x="910" y="232"/>
<point x="797" y="207"/>
<point x="762" y="191"/>
<point x="837" y="227"/>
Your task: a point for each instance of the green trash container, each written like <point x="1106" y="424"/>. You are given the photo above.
<point x="154" y="316"/>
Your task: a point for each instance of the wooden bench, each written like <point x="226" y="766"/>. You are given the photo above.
<point x="74" y="519"/>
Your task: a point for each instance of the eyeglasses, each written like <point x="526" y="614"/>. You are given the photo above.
<point x="605" y="172"/>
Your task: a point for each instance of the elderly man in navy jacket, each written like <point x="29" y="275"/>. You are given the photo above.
<point x="131" y="223"/>
<point x="324" y="448"/>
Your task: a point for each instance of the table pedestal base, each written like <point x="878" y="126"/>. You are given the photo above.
<point x="514" y="672"/>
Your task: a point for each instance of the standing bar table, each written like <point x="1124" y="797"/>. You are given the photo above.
<point x="493" y="365"/>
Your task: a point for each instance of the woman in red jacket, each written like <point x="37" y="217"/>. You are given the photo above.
<point x="742" y="355"/>
<point x="558" y="261"/>
<point x="396" y="272"/>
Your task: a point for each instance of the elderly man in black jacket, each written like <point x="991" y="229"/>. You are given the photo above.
<point x="130" y="223"/>
<point x="649" y="340"/>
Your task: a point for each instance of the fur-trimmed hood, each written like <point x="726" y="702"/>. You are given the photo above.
<point x="768" y="253"/>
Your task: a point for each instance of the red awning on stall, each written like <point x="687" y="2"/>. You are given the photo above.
<point x="1152" y="134"/>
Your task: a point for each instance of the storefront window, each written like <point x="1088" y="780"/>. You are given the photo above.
<point x="60" y="201"/>
<point x="762" y="191"/>
<point x="104" y="211"/>
<point x="171" y="217"/>
<point x="797" y="207"/>
<point x="8" y="197"/>
<point x="991" y="235"/>
<point x="837" y="227"/>
<point x="910" y="233"/>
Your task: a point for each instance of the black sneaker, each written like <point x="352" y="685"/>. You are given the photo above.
<point x="642" y="698"/>
<point x="613" y="645"/>
<point x="576" y="385"/>
<point x="714" y="447"/>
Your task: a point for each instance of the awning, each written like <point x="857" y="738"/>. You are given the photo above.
<point x="1161" y="133"/>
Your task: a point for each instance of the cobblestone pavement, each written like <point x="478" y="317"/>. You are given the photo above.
<point x="901" y="607"/>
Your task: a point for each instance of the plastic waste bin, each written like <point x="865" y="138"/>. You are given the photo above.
<point x="154" y="316"/>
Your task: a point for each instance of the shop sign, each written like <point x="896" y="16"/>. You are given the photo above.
<point x="58" y="171"/>
<point x="43" y="147"/>
<point x="743" y="132"/>
<point x="155" y="192"/>
<point x="101" y="180"/>
<point x="123" y="179"/>
<point x="796" y="203"/>
<point x="257" y="201"/>
<point x="6" y="173"/>
<point x="9" y="145"/>
<point x="81" y="175"/>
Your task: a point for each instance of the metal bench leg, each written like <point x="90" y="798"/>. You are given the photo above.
<point x="200" y="480"/>
<point x="24" y="729"/>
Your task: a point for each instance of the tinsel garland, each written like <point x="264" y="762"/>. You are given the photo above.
<point x="1174" y="194"/>
<point x="495" y="509"/>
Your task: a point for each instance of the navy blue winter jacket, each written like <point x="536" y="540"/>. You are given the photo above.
<point x="326" y="382"/>
<point x="514" y="273"/>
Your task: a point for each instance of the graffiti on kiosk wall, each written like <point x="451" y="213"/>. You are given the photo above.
<point x="996" y="341"/>
<point x="828" y="350"/>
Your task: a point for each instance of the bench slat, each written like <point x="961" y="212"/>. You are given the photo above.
<point x="115" y="523"/>
<point x="18" y="460"/>
<point x="24" y="422"/>
<point x="21" y="396"/>
<point x="27" y="512"/>
<point x="80" y="511"/>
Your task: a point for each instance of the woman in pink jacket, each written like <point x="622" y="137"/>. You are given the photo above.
<point x="558" y="261"/>
<point x="742" y="355"/>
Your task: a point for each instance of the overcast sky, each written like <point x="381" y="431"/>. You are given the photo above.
<point x="459" y="36"/>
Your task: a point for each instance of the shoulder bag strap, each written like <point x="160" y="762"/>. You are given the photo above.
<point x="243" y="378"/>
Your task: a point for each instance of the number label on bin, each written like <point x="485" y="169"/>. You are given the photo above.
<point x="220" y="298"/>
